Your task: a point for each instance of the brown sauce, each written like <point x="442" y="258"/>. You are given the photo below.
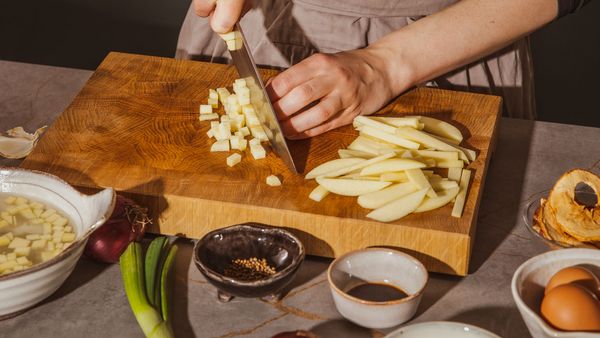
<point x="377" y="292"/>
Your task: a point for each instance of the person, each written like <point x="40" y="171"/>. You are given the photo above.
<point x="351" y="57"/>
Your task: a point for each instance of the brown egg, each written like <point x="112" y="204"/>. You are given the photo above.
<point x="571" y="307"/>
<point x="575" y="274"/>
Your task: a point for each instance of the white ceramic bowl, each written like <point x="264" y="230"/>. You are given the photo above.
<point x="441" y="329"/>
<point x="377" y="265"/>
<point x="22" y="290"/>
<point x="530" y="279"/>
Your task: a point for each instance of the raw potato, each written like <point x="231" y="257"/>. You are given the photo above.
<point x="400" y="121"/>
<point x="391" y="165"/>
<point x="208" y="117"/>
<point x="348" y="153"/>
<point x="273" y="181"/>
<point x="234" y="159"/>
<point x="382" y="197"/>
<point x="367" y="121"/>
<point x="318" y="193"/>
<point x="349" y="187"/>
<point x="359" y="165"/>
<point x="391" y="138"/>
<point x="454" y="174"/>
<point x="398" y="208"/>
<point x="417" y="177"/>
<point x="444" y="197"/>
<point x="459" y="204"/>
<point x="331" y="166"/>
<point x="222" y="145"/>
<point x="441" y="128"/>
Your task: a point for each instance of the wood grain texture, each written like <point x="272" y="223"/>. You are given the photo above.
<point x="134" y="126"/>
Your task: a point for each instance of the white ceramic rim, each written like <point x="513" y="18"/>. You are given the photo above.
<point x="73" y="246"/>
<point x="444" y="323"/>
<point x="418" y="263"/>
<point x="524" y="307"/>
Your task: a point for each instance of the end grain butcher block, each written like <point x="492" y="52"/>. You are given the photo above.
<point x="134" y="126"/>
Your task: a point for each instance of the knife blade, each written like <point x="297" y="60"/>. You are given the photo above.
<point x="246" y="67"/>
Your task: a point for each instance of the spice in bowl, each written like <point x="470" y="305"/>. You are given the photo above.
<point x="249" y="269"/>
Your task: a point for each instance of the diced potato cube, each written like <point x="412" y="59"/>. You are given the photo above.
<point x="2" y="258"/>
<point x="14" y="209"/>
<point x="273" y="181"/>
<point x="60" y="222"/>
<point x="38" y="212"/>
<point x="242" y="91"/>
<point x="222" y="145"/>
<point x="58" y="229"/>
<point x="210" y="133"/>
<point x="27" y="213"/>
<point x="234" y="159"/>
<point x="238" y="143"/>
<point x="46" y="237"/>
<point x="258" y="151"/>
<point x="50" y="246"/>
<point x="245" y="131"/>
<point x="18" y="242"/>
<point x="259" y="133"/>
<point x="47" y="255"/>
<point x="11" y="256"/>
<point x="254" y="141"/>
<point x="9" y="264"/>
<point x="9" y="235"/>
<point x="224" y="118"/>
<point x="244" y="99"/>
<point x="36" y="205"/>
<point x="23" y="261"/>
<point x="223" y="94"/>
<point x="206" y="109"/>
<point x="18" y="268"/>
<point x="240" y="82"/>
<point x="68" y="237"/>
<point x="252" y="120"/>
<point x="22" y="251"/>
<point x="68" y="228"/>
<point x="4" y="241"/>
<point x="37" y="221"/>
<point x="7" y="217"/>
<point x="32" y="237"/>
<point x="212" y="94"/>
<point x="3" y="223"/>
<point x="47" y="228"/>
<point x="10" y="200"/>
<point x="213" y="103"/>
<point x="232" y="99"/>
<point x="234" y="44"/>
<point x="39" y="244"/>
<point x="52" y="218"/>
<point x="21" y="201"/>
<point x="208" y="117"/>
<point x="47" y="213"/>
<point x="248" y="109"/>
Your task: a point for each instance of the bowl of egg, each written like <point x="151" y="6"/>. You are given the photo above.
<point x="557" y="293"/>
<point x="44" y="226"/>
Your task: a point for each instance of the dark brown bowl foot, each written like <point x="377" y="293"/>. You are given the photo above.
<point x="223" y="297"/>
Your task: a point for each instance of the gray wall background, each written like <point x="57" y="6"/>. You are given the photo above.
<point x="79" y="34"/>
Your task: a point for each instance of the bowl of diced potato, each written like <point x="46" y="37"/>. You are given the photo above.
<point x="44" y="226"/>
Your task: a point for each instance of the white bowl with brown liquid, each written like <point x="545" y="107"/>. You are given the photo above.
<point x="377" y="287"/>
<point x="20" y="290"/>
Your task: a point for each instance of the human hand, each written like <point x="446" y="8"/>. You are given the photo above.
<point x="223" y="13"/>
<point x="341" y="86"/>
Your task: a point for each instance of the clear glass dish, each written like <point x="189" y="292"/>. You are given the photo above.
<point x="533" y="203"/>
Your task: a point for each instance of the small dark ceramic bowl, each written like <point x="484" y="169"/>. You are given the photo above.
<point x="215" y="251"/>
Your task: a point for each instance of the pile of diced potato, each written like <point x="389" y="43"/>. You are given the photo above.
<point x="31" y="233"/>
<point x="389" y="166"/>
<point x="239" y="127"/>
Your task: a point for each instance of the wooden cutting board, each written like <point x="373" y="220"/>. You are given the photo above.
<point x="134" y="127"/>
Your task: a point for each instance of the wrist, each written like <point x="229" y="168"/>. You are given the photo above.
<point x="398" y="72"/>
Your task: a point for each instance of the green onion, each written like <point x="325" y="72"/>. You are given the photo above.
<point x="152" y="319"/>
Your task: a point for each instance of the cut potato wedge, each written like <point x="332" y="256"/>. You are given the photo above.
<point x="441" y="128"/>
<point x="318" y="193"/>
<point x="444" y="197"/>
<point x="399" y="121"/>
<point x="439" y="185"/>
<point x="391" y="138"/>
<point x="333" y="165"/>
<point x="391" y="165"/>
<point x="360" y="165"/>
<point x="382" y="197"/>
<point x="459" y="203"/>
<point x="419" y="179"/>
<point x="425" y="139"/>
<point x="349" y="153"/>
<point x="399" y="208"/>
<point x="436" y="155"/>
<point x="347" y="187"/>
<point x="454" y="174"/>
<point x="450" y="164"/>
<point x="367" y="121"/>
<point x="393" y="177"/>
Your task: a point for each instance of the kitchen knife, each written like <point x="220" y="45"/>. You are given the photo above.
<point x="243" y="61"/>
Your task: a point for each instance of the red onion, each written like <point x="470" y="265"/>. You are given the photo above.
<point x="126" y="224"/>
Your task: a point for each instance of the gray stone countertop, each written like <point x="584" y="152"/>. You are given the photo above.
<point x="529" y="157"/>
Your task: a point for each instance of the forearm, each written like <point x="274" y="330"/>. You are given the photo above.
<point x="458" y="35"/>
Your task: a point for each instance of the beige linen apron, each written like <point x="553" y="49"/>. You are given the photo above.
<point x="284" y="32"/>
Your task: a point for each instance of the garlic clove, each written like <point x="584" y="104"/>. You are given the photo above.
<point x="20" y="143"/>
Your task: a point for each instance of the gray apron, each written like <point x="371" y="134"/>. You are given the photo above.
<point x="284" y="32"/>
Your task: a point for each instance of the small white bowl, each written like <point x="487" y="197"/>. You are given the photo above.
<point x="22" y="290"/>
<point x="377" y="265"/>
<point x="530" y="279"/>
<point x="441" y="329"/>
